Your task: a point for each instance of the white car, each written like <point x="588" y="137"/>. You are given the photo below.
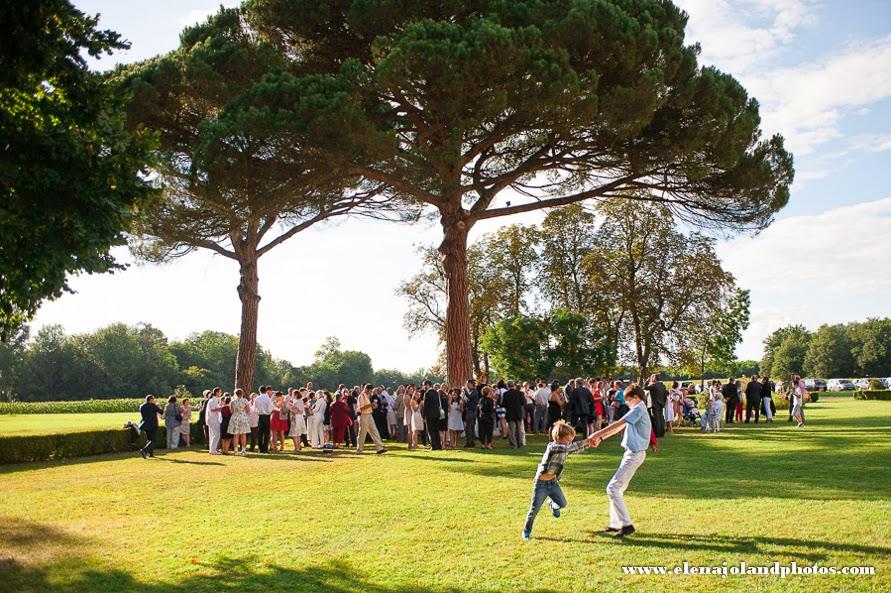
<point x="839" y="385"/>
<point x="861" y="383"/>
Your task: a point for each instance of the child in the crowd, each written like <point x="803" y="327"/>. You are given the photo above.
<point x="547" y="476"/>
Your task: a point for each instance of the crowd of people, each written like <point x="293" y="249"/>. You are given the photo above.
<point x="435" y="416"/>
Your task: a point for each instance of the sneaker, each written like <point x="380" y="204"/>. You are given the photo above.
<point x="627" y="530"/>
<point x="527" y="535"/>
<point x="381" y="451"/>
<point x="556" y="512"/>
<point x="141" y="452"/>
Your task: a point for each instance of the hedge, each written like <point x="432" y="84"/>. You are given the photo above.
<point x="86" y="406"/>
<point x="884" y="394"/>
<point x="46" y="447"/>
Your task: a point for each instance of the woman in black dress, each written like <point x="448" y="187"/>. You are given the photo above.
<point x="487" y="417"/>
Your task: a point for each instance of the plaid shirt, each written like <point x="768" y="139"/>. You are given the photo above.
<point x="555" y="456"/>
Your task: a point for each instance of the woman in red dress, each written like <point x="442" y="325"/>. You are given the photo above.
<point x="340" y="419"/>
<point x="278" y="422"/>
<point x="599" y="410"/>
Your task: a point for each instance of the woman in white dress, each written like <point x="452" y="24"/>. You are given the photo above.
<point x="417" y="420"/>
<point x="407" y="412"/>
<point x="674" y="394"/>
<point x="456" y="418"/>
<point x="296" y="407"/>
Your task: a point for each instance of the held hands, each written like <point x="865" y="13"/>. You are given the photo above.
<point x="594" y="440"/>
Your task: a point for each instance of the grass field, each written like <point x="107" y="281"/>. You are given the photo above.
<point x="16" y="424"/>
<point x="420" y="521"/>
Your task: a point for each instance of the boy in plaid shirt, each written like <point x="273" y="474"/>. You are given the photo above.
<point x="547" y="477"/>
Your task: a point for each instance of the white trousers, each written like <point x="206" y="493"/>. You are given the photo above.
<point x="615" y="490"/>
<point x="213" y="432"/>
<point x="366" y="427"/>
<point x="767" y="410"/>
<point x="314" y="431"/>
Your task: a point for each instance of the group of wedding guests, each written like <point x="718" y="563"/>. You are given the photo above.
<point x="437" y="416"/>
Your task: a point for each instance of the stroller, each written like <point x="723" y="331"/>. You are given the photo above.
<point x="692" y="417"/>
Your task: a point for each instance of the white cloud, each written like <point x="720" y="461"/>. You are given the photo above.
<point x="822" y="268"/>
<point x="871" y="142"/>
<point x="805" y="176"/>
<point x="742" y="34"/>
<point x="808" y="102"/>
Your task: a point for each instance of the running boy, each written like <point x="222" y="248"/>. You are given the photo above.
<point x="547" y="477"/>
<point x="638" y="433"/>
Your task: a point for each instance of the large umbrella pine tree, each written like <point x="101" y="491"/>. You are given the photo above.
<point x="556" y="101"/>
<point x="232" y="181"/>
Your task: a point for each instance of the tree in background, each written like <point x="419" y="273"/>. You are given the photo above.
<point x="713" y="346"/>
<point x="333" y="366"/>
<point x="511" y="256"/>
<point x="129" y="360"/>
<point x="872" y="347"/>
<point x="785" y="351"/>
<point x="70" y="174"/>
<point x="234" y="181"/>
<point x="654" y="273"/>
<point x="781" y="359"/>
<point x="516" y="347"/>
<point x="559" y="345"/>
<point x="555" y="102"/>
<point x="567" y="237"/>
<point x="12" y="356"/>
<point x="575" y="346"/>
<point x="830" y="352"/>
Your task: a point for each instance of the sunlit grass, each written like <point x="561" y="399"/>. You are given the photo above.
<point x="450" y="521"/>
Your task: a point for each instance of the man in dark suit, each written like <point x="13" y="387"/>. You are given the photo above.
<point x="753" y="399"/>
<point x="471" y="409"/>
<point x="583" y="406"/>
<point x="658" y="397"/>
<point x="149" y="412"/>
<point x="731" y="398"/>
<point x="514" y="403"/>
<point x="432" y="411"/>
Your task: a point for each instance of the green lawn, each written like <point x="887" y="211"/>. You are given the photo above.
<point x="450" y="521"/>
<point x="17" y="424"/>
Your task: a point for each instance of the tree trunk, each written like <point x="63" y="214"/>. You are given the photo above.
<point x="248" y="293"/>
<point x="459" y="365"/>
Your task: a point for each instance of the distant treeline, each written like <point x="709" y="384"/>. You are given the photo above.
<point x="839" y="351"/>
<point x="124" y="360"/>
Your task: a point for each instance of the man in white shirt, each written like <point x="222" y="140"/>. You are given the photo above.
<point x="263" y="404"/>
<point x="540" y="416"/>
<point x="214" y="417"/>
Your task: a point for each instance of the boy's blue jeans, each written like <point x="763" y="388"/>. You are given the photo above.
<point x="540" y="491"/>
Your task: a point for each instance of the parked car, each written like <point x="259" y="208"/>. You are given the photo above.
<point x="839" y="385"/>
<point x="861" y="383"/>
<point x="887" y="382"/>
<point x="815" y="384"/>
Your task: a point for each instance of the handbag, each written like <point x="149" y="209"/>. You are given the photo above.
<point x="441" y="411"/>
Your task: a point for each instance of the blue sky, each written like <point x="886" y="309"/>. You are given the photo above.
<point x="821" y="71"/>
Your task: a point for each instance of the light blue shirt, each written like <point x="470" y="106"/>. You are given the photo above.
<point x="637" y="429"/>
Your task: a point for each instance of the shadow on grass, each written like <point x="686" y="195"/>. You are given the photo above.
<point x="39" y="559"/>
<point x="818" y="550"/>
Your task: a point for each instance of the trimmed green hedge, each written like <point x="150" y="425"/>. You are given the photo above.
<point x="46" y="447"/>
<point x="86" y="406"/>
<point x="884" y="394"/>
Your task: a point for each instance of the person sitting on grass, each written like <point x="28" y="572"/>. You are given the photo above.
<point x="638" y="435"/>
<point x="547" y="476"/>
